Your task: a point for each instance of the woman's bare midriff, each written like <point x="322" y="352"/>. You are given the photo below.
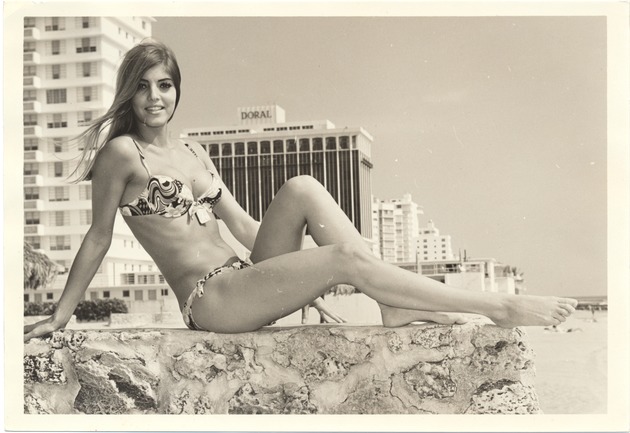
<point x="183" y="249"/>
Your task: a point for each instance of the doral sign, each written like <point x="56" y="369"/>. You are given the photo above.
<point x="263" y="114"/>
<point x="260" y="115"/>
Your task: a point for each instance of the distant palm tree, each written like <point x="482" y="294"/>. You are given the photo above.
<point x="39" y="270"/>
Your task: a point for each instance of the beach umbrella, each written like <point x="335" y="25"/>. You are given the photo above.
<point x="39" y="270"/>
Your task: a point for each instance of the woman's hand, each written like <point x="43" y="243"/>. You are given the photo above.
<point x="324" y="311"/>
<point x="42" y="328"/>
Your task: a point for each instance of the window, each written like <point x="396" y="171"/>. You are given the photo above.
<point x="56" y="72"/>
<point x="106" y="294"/>
<point x="34" y="241"/>
<point x="56" y="96"/>
<point x="128" y="279"/>
<point x="85" y="45"/>
<point x="57" y="120"/>
<point x="93" y="295"/>
<point x="164" y="292"/>
<point x="125" y="293"/>
<point x="85" y="192"/>
<point x="31" y="168"/>
<point x="29" y="46"/>
<point x="53" y="24"/>
<point x="60" y="218"/>
<point x="152" y="295"/>
<point x="137" y="295"/>
<point x="86" y="69"/>
<point x="85" y="118"/>
<point x="31" y="193"/>
<point x="38" y="297"/>
<point x="29" y="95"/>
<point x="29" y="70"/>
<point x="49" y="296"/>
<point x="55" y="48"/>
<point x="31" y="217"/>
<point x="58" y="169"/>
<point x="60" y="243"/>
<point x="85" y="94"/>
<point x="317" y="143"/>
<point x="29" y="22"/>
<point x="58" y="145"/>
<point x="26" y="298"/>
<point x="31" y="143"/>
<point x="85" y="22"/>
<point x="144" y="25"/>
<point x="85" y="217"/>
<point x="58" y="193"/>
<point x="30" y="119"/>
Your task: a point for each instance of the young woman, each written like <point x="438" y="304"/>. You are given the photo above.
<point x="170" y="193"/>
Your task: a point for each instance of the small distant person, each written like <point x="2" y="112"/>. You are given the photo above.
<point x="592" y="310"/>
<point x="171" y="195"/>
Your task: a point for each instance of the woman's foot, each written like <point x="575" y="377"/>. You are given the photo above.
<point x="395" y="317"/>
<point x="520" y="310"/>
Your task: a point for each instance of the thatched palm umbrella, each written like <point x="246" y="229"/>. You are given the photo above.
<point x="39" y="270"/>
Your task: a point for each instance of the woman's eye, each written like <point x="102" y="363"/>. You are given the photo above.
<point x="166" y="85"/>
<point x="142" y="86"/>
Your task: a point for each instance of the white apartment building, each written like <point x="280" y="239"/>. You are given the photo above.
<point x="432" y="246"/>
<point x="69" y="76"/>
<point x="397" y="222"/>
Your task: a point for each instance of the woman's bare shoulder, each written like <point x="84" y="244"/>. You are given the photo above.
<point x="119" y="152"/>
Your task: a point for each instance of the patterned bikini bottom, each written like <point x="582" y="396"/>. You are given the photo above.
<point x="233" y="264"/>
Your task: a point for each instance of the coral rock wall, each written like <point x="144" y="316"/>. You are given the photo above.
<point x="325" y="369"/>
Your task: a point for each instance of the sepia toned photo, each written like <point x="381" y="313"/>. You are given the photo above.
<point x="304" y="213"/>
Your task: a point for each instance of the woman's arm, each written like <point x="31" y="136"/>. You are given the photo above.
<point x="110" y="175"/>
<point x="240" y="223"/>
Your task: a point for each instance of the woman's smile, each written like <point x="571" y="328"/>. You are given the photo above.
<point x="154" y="101"/>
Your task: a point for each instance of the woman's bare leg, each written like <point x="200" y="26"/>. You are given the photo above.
<point x="250" y="298"/>
<point x="283" y="227"/>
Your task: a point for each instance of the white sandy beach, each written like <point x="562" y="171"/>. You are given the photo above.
<point x="571" y="367"/>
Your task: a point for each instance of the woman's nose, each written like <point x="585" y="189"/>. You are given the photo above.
<point x="153" y="93"/>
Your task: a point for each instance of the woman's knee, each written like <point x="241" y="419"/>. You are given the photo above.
<point x="353" y="258"/>
<point x="302" y="186"/>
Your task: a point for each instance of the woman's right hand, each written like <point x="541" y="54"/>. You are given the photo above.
<point x="42" y="328"/>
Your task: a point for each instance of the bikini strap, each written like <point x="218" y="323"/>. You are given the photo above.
<point x="191" y="149"/>
<point x="142" y="158"/>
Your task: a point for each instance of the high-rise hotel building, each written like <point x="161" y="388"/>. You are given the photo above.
<point x="69" y="77"/>
<point x="262" y="151"/>
<point x="397" y="222"/>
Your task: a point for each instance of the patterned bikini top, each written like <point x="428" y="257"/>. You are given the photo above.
<point x="172" y="198"/>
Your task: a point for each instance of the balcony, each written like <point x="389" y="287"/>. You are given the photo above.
<point x="32" y="106"/>
<point x="31" y="205"/>
<point x="33" y="130"/>
<point x="34" y="229"/>
<point x="34" y="180"/>
<point x="32" y="81"/>
<point x="33" y="156"/>
<point x="32" y="34"/>
<point x="32" y="58"/>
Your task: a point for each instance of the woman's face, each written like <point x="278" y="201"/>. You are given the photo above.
<point x="154" y="101"/>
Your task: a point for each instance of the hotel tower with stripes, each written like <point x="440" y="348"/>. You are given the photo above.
<point x="262" y="151"/>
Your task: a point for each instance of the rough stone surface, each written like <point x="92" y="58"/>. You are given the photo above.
<point x="322" y="369"/>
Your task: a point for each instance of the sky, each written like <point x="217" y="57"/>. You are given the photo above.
<point x="495" y="125"/>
